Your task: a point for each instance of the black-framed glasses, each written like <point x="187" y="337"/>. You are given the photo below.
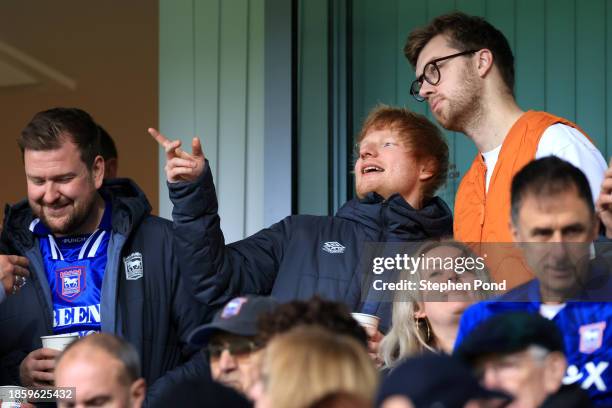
<point x="431" y="74"/>
<point x="235" y="348"/>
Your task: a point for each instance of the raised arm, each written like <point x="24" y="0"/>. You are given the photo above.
<point x="215" y="272"/>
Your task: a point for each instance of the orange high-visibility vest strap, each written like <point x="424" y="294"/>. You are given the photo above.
<point x="482" y="216"/>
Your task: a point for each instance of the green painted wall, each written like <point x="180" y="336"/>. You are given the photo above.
<point x="563" y="51"/>
<point x="312" y="142"/>
<point x="212" y="85"/>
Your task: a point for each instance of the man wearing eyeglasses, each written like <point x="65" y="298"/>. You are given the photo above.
<point x="465" y="71"/>
<point x="230" y="340"/>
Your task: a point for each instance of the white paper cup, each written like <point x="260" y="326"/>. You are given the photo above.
<point x="10" y="404"/>
<point x="367" y="320"/>
<point x="59" y="341"/>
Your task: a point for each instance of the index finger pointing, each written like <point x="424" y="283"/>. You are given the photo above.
<point x="161" y="139"/>
<point x="196" y="147"/>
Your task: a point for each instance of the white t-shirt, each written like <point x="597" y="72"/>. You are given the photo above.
<point x="568" y="144"/>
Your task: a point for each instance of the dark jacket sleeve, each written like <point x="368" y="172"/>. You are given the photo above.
<point x="186" y="315"/>
<point x="9" y="359"/>
<point x="166" y="388"/>
<point x="217" y="272"/>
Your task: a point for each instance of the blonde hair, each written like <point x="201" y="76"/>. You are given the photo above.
<point x="309" y="362"/>
<point x="409" y="336"/>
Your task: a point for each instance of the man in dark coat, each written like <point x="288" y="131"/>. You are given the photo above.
<point x="403" y="160"/>
<point x="98" y="262"/>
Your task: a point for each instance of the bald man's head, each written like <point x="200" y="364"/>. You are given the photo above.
<point x="104" y="369"/>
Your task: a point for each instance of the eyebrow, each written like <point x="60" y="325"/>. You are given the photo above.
<point x="568" y="228"/>
<point x="98" y="399"/>
<point x="57" y="177"/>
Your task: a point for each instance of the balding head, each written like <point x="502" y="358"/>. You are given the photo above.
<point x="104" y="369"/>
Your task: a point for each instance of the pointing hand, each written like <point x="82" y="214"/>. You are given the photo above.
<point x="180" y="165"/>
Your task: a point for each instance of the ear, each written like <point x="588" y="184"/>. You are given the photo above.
<point x="419" y="311"/>
<point x="427" y="169"/>
<point x="555" y="366"/>
<point x="516" y="237"/>
<point x="97" y="171"/>
<point x="138" y="391"/>
<point x="484" y="62"/>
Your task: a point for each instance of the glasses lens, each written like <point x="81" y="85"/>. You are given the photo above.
<point x="235" y="348"/>
<point x="214" y="350"/>
<point x="415" y="88"/>
<point x="240" y="348"/>
<point x="431" y="73"/>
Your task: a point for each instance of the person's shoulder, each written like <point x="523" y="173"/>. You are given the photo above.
<point x="157" y="220"/>
<point x="516" y="299"/>
<point x="153" y="224"/>
<point x="588" y="310"/>
<point x="559" y="135"/>
<point x="314" y="221"/>
<point x="18" y="215"/>
<point x="477" y="311"/>
<point x="528" y="291"/>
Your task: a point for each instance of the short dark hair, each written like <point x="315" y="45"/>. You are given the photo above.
<point x="333" y="316"/>
<point x="548" y="177"/>
<point x="116" y="347"/>
<point x="465" y="33"/>
<point x="108" y="150"/>
<point x="49" y="129"/>
<point x="419" y="134"/>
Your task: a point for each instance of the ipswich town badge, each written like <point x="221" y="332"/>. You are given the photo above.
<point x="591" y="337"/>
<point x="70" y="282"/>
<point x="133" y="266"/>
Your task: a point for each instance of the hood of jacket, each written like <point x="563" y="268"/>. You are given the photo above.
<point x="395" y="220"/>
<point x="129" y="207"/>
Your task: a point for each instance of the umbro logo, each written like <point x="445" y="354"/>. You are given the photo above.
<point x="333" y="247"/>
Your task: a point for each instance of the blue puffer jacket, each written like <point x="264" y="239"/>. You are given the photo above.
<point x="298" y="257"/>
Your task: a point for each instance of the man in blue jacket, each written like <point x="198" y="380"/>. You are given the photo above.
<point x="403" y="160"/>
<point x="554" y="223"/>
<point x="98" y="261"/>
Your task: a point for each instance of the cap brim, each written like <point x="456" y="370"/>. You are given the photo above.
<point x="200" y="336"/>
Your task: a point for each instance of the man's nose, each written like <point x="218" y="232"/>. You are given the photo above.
<point x="367" y="150"/>
<point x="227" y="362"/>
<point x="51" y="193"/>
<point x="490" y="379"/>
<point x="426" y="89"/>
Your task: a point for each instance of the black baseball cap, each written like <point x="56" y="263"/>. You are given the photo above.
<point x="435" y="380"/>
<point x="238" y="316"/>
<point x="510" y="332"/>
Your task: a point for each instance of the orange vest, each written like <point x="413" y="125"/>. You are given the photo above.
<point x="482" y="216"/>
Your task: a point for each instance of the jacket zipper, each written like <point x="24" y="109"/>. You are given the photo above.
<point x="383" y="210"/>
